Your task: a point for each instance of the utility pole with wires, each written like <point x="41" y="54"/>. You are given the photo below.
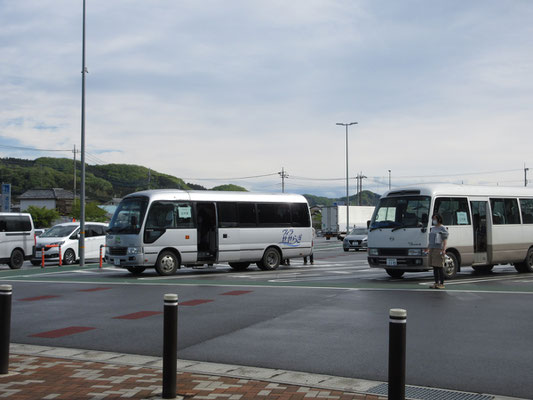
<point x="283" y="175"/>
<point x="525" y="174"/>
<point x="389" y="179"/>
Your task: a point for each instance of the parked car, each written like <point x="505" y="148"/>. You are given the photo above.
<point x="16" y="238"/>
<point x="39" y="231"/>
<point x="67" y="235"/>
<point x="357" y="239"/>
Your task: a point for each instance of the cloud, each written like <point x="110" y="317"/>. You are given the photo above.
<point x="236" y="88"/>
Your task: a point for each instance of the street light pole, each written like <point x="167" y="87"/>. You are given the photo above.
<point x="82" y="189"/>
<point x="346" y="125"/>
<point x="389" y="179"/>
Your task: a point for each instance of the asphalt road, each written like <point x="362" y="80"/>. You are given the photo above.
<point x="329" y="318"/>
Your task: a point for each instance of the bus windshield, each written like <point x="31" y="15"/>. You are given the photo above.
<point x="129" y="216"/>
<point x="401" y="212"/>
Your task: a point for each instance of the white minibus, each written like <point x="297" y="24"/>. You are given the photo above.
<point x="487" y="226"/>
<point x="16" y="238"/>
<point x="167" y="229"/>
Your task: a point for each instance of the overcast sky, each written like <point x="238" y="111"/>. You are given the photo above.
<point x="441" y="90"/>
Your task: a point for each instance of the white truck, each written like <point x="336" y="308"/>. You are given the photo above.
<point x="334" y="219"/>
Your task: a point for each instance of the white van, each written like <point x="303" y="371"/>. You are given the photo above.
<point x="16" y="239"/>
<point x="67" y="235"/>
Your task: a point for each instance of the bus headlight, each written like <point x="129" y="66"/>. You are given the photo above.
<point x="414" y="252"/>
<point x="373" y="252"/>
<point x="135" y="250"/>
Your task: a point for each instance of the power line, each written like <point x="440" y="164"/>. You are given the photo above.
<point x="230" y="179"/>
<point x="32" y="148"/>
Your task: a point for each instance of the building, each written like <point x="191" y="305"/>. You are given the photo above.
<point x="55" y="198"/>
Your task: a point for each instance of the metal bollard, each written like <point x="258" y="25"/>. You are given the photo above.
<point x="5" y="326"/>
<point x="397" y="339"/>
<point x="170" y="346"/>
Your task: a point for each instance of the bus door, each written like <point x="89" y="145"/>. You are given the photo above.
<point x="206" y="223"/>
<point x="479" y="225"/>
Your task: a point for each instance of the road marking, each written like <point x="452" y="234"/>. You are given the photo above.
<point x="71" y="330"/>
<point x="476" y="280"/>
<point x="195" y="302"/>
<point x="138" y="315"/>
<point x="39" y="298"/>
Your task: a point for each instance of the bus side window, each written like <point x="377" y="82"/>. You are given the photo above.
<point x="227" y="215"/>
<point x="247" y="216"/>
<point x="300" y="215"/>
<point x="527" y="210"/>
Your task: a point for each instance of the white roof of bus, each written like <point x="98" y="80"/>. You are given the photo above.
<point x="448" y="189"/>
<point x="208" y="195"/>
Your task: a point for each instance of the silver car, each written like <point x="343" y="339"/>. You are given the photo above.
<point x="357" y="239"/>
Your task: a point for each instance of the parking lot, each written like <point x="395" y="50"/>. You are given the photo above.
<point x="330" y="317"/>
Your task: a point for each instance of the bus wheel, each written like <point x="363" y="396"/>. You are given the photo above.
<point x="136" y="270"/>
<point x="270" y="260"/>
<point x="16" y="260"/>
<point x="527" y="264"/>
<point x="395" y="273"/>
<point x="69" y="257"/>
<point x="482" y="269"/>
<point x="167" y="263"/>
<point x="239" y="266"/>
<point x="450" y="265"/>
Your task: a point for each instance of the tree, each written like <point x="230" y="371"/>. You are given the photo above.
<point x="230" y="187"/>
<point x="42" y="216"/>
<point x="93" y="213"/>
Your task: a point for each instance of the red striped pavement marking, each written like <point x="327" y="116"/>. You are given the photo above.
<point x="236" y="292"/>
<point x="71" y="330"/>
<point x="195" y="302"/>
<point x="96" y="289"/>
<point x="138" y="315"/>
<point x="38" y="298"/>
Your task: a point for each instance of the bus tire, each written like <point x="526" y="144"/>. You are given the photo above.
<point x="239" y="266"/>
<point x="527" y="264"/>
<point x="136" y="270"/>
<point x="69" y="257"/>
<point x="271" y="260"/>
<point x="451" y="265"/>
<point x="167" y="263"/>
<point x="395" y="273"/>
<point x="482" y="269"/>
<point x="16" y="260"/>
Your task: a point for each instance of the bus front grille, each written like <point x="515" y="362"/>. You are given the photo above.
<point x="118" y="251"/>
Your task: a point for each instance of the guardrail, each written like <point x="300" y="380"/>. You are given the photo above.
<point x="49" y="246"/>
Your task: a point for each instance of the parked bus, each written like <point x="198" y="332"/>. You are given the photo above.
<point x="167" y="229"/>
<point x="488" y="226"/>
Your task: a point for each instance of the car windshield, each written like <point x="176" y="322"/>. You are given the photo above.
<point x="359" y="231"/>
<point x="59" y="231"/>
<point x="129" y="216"/>
<point x="401" y="212"/>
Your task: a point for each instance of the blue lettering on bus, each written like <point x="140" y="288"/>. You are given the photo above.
<point x="290" y="239"/>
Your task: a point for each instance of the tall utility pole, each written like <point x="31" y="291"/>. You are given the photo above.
<point x="389" y="179"/>
<point x="525" y="174"/>
<point x="346" y="125"/>
<point x="283" y="175"/>
<point x="74" y="152"/>
<point x="82" y="191"/>
<point x="360" y="178"/>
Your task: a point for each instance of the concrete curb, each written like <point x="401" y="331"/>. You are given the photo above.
<point x="328" y="382"/>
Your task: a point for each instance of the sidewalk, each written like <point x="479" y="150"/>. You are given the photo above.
<point x="39" y="372"/>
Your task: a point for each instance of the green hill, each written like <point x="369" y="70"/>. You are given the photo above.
<point x="368" y="198"/>
<point x="115" y="180"/>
